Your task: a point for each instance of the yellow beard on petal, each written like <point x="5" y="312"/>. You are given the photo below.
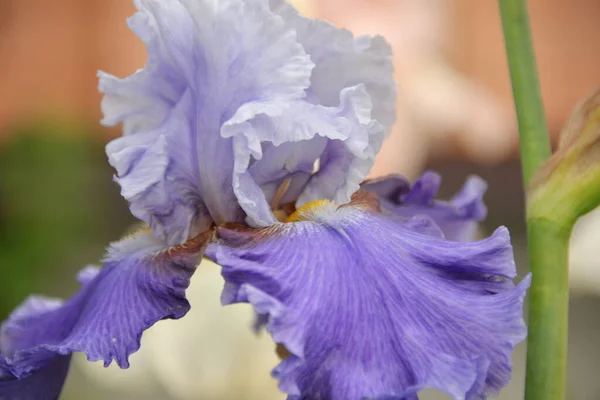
<point x="308" y="211"/>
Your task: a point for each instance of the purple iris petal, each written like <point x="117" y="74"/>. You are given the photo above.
<point x="43" y="384"/>
<point x="457" y="217"/>
<point x="232" y="88"/>
<point x="143" y="281"/>
<point x="371" y="307"/>
<point x="46" y="381"/>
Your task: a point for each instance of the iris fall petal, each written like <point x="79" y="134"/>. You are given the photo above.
<point x="43" y="384"/>
<point x="46" y="380"/>
<point x="371" y="307"/>
<point x="143" y="281"/>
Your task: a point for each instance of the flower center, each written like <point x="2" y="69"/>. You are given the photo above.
<point x="288" y="213"/>
<point x="308" y="211"/>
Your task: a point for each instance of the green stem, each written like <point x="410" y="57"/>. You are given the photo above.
<point x="548" y="241"/>
<point x="548" y="310"/>
<point x="533" y="136"/>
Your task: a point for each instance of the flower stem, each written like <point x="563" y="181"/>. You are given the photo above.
<point x="548" y="240"/>
<point x="548" y="246"/>
<point x="533" y="136"/>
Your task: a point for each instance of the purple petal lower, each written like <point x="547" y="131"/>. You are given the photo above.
<point x="43" y="384"/>
<point x="143" y="281"/>
<point x="370" y="308"/>
<point x="457" y="217"/>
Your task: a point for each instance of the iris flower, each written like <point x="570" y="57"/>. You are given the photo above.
<point x="251" y="130"/>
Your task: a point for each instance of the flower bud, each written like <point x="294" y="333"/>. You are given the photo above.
<point x="568" y="185"/>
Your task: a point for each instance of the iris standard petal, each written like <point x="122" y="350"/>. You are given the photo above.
<point x="153" y="169"/>
<point x="227" y="62"/>
<point x="344" y="139"/>
<point x="370" y="308"/>
<point x="341" y="61"/>
<point x="220" y="77"/>
<point x="457" y="217"/>
<point x="341" y="64"/>
<point x="143" y="281"/>
<point x="144" y="100"/>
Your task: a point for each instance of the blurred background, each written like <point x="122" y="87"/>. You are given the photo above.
<point x="59" y="207"/>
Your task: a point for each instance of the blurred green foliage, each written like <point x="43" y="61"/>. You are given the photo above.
<point x="58" y="209"/>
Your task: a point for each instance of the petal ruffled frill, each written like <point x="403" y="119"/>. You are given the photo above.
<point x="370" y="307"/>
<point x="457" y="217"/>
<point x="143" y="281"/>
